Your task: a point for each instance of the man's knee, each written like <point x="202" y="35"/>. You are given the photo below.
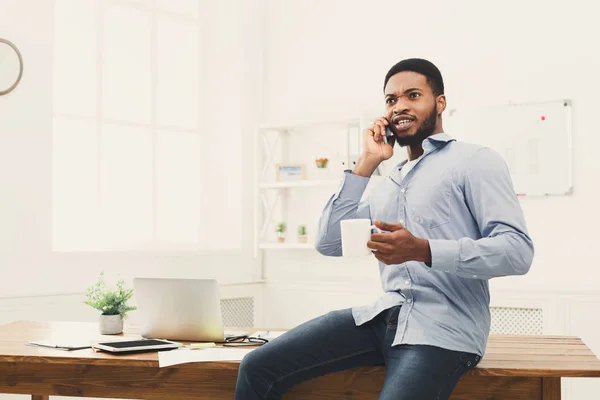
<point x="251" y="361"/>
<point x="254" y="371"/>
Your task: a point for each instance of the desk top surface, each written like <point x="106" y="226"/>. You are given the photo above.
<point x="505" y="355"/>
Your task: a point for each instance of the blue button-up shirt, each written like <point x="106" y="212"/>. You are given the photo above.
<point x="459" y="196"/>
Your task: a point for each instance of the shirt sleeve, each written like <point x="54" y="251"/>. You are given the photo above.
<point x="505" y="247"/>
<point x="345" y="204"/>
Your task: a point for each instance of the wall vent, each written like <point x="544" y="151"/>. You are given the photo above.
<point x="238" y="312"/>
<point x="517" y="321"/>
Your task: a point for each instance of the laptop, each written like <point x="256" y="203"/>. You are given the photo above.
<point x="180" y="309"/>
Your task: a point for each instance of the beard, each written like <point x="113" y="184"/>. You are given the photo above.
<point x="423" y="131"/>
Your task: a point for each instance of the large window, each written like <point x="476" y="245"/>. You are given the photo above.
<point x="132" y="166"/>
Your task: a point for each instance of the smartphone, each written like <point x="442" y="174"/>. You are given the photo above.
<point x="388" y="133"/>
<point x="141" y="345"/>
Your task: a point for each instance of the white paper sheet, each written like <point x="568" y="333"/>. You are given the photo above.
<point x="182" y="356"/>
<point x="269" y="335"/>
<point x="76" y="340"/>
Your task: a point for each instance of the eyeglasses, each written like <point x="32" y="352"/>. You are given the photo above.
<point x="244" y="341"/>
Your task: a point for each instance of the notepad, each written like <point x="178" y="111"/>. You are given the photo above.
<point x="201" y="345"/>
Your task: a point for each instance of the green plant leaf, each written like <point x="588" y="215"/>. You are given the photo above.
<point x="109" y="301"/>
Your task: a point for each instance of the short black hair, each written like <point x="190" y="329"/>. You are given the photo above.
<point x="423" y="67"/>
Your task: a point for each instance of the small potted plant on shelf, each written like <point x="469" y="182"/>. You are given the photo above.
<point x="111" y="302"/>
<point x="322" y="162"/>
<point x="280" y="232"/>
<point x="302" y="234"/>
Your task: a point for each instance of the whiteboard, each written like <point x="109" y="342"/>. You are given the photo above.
<point x="535" y="140"/>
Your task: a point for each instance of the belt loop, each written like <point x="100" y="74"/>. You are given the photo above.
<point x="394" y="313"/>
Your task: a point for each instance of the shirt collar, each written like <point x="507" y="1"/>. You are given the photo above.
<point x="436" y="140"/>
<point x="429" y="144"/>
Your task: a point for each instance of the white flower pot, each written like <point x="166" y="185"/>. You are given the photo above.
<point x="111" y="324"/>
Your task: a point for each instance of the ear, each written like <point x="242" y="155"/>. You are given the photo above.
<point x="440" y="103"/>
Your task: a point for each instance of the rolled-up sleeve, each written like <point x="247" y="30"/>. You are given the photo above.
<point x="344" y="204"/>
<point x="505" y="247"/>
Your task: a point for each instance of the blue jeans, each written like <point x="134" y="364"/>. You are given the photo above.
<point x="333" y="343"/>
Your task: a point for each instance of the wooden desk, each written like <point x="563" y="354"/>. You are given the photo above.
<point x="515" y="367"/>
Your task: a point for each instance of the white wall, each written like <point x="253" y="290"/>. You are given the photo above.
<point x="328" y="59"/>
<point x="25" y="140"/>
<point x="234" y="45"/>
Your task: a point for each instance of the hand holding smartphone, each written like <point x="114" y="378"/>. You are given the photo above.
<point x="376" y="149"/>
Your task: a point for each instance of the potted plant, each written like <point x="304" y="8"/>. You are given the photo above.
<point x="111" y="302"/>
<point x="302" y="233"/>
<point x="322" y="162"/>
<point x="280" y="232"/>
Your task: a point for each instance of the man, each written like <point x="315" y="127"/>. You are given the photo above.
<point x="451" y="221"/>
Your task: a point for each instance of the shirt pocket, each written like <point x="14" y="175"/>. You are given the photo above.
<point x="430" y="206"/>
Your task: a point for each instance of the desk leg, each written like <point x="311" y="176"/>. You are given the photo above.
<point x="38" y="397"/>
<point x="551" y="389"/>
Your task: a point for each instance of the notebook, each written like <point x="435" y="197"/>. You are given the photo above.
<point x="67" y="346"/>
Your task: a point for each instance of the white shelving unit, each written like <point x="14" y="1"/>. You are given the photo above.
<point x="272" y="146"/>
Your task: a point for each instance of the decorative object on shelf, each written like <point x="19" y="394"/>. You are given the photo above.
<point x="322" y="162"/>
<point x="111" y="302"/>
<point x="290" y="172"/>
<point x="280" y="232"/>
<point x="302" y="234"/>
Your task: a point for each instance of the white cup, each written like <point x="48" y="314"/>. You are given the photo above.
<point x="355" y="235"/>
